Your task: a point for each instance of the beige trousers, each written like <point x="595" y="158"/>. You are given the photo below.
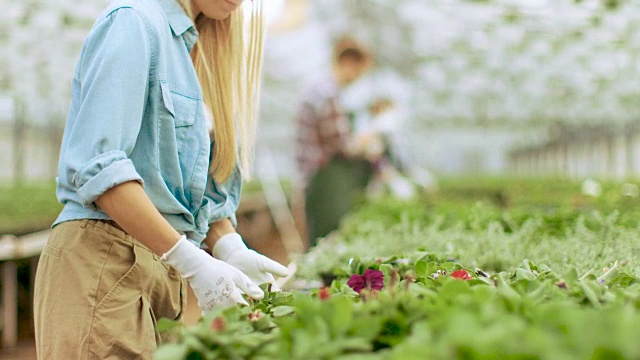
<point x="98" y="293"/>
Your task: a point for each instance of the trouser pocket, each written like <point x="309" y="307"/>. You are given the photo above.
<point x="122" y="327"/>
<point x="169" y="293"/>
<point x="97" y="293"/>
<point x="168" y="296"/>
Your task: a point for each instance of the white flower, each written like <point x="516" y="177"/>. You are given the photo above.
<point x="591" y="187"/>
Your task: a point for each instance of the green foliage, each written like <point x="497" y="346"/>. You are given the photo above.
<point x="548" y="281"/>
<point x="531" y="312"/>
<point x="611" y="4"/>
<point x="27" y="207"/>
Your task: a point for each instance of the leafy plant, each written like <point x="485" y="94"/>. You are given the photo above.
<point x="445" y="281"/>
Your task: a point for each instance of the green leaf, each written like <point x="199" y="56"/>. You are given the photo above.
<point x="525" y="274"/>
<point x="421" y="269"/>
<point x="602" y="353"/>
<point x="386" y="272"/>
<point x="591" y="289"/>
<point x="571" y="275"/>
<point x="165" y="325"/>
<point x="338" y="312"/>
<point x="283" y="310"/>
<point x="171" y="352"/>
<point x="354" y="344"/>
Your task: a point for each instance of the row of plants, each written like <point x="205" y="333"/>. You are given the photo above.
<point x="444" y="279"/>
<point x="27" y="207"/>
<point x="38" y="207"/>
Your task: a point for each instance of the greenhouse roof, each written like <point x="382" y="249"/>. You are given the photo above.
<point x="452" y="62"/>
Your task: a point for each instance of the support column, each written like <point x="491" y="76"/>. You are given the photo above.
<point x="10" y="304"/>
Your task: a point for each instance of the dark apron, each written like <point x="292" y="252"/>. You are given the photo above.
<point x="332" y="192"/>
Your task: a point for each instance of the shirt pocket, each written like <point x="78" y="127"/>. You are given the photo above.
<point x="181" y="107"/>
<point x="183" y="134"/>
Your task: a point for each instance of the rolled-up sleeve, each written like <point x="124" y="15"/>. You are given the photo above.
<point x="113" y="78"/>
<point x="223" y="199"/>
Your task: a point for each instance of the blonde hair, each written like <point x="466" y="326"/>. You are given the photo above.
<point x="228" y="61"/>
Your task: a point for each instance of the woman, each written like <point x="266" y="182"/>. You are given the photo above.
<point x="327" y="152"/>
<point x="143" y="184"/>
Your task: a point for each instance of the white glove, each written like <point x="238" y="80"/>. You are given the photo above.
<point x="260" y="269"/>
<point x="214" y="282"/>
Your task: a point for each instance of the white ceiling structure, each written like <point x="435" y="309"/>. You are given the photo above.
<point x="450" y="62"/>
<point x="487" y="62"/>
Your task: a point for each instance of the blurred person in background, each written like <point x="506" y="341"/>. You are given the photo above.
<point x="143" y="183"/>
<point x="380" y="131"/>
<point x="396" y="172"/>
<point x="331" y="162"/>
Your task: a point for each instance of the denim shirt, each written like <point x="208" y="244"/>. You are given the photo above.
<point x="137" y="115"/>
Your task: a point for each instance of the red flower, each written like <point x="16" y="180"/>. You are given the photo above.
<point x="461" y="274"/>
<point x="255" y="316"/>
<point x="324" y="293"/>
<point x="370" y="280"/>
<point x="218" y="324"/>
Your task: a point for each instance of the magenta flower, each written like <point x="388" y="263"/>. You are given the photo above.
<point x="370" y="280"/>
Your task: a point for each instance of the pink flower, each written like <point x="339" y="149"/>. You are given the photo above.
<point x="370" y="280"/>
<point x="461" y="274"/>
<point x="218" y="324"/>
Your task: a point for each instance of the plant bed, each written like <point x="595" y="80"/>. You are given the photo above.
<point x="445" y="279"/>
<point x="27" y="208"/>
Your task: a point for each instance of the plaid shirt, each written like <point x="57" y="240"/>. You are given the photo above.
<point x="322" y="129"/>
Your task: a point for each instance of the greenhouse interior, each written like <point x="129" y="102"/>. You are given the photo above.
<point x="445" y="179"/>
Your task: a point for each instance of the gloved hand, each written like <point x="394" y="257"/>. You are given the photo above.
<point x="214" y="282"/>
<point x="260" y="269"/>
